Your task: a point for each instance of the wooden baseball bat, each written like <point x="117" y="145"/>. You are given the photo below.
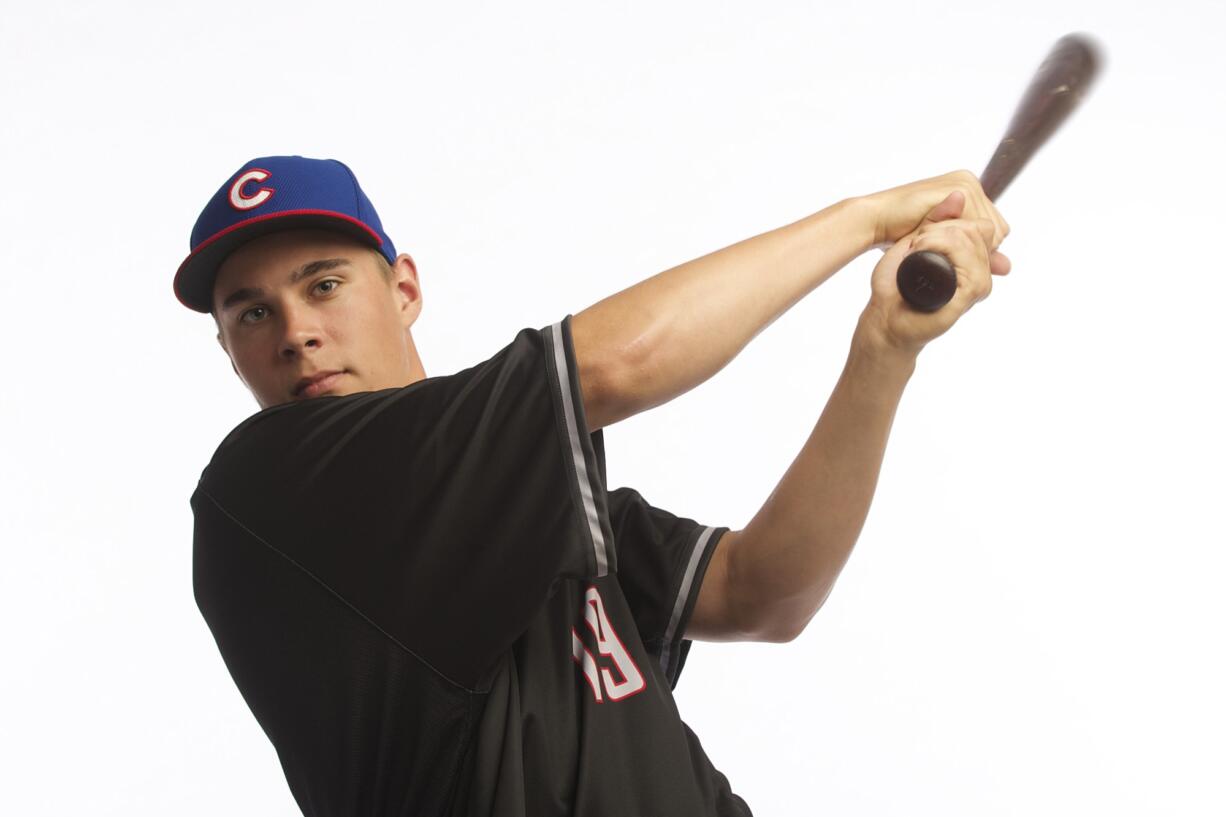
<point x="926" y="280"/>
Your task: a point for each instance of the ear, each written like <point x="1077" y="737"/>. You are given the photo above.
<point x="407" y="289"/>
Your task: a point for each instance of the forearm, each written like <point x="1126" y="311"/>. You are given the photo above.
<point x="790" y="554"/>
<point x="668" y="333"/>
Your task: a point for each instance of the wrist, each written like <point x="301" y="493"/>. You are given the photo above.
<point x="873" y="344"/>
<point x="864" y="217"/>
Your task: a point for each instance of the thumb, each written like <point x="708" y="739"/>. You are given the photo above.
<point x="894" y="254"/>
<point x="950" y="207"/>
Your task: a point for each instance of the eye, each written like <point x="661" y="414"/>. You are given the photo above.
<point x="328" y="281"/>
<point x="243" y="317"/>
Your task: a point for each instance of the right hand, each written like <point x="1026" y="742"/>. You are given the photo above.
<point x="900" y="211"/>
<point x="889" y="322"/>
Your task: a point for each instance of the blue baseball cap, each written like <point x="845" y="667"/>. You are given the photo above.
<point x="269" y="194"/>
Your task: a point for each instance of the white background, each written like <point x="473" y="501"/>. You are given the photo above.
<point x="1031" y="621"/>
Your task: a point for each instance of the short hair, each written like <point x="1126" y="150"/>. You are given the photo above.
<point x="384" y="266"/>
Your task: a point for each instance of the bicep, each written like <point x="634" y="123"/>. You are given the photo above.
<point x="600" y="370"/>
<point x="719" y="614"/>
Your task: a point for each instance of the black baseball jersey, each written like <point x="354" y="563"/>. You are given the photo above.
<point x="433" y="605"/>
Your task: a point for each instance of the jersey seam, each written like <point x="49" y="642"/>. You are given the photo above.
<point x="458" y="769"/>
<point x="331" y="590"/>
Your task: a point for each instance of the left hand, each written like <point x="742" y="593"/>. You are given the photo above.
<point x="900" y="211"/>
<point x="889" y="322"/>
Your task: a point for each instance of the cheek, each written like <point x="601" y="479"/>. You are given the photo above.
<point x="380" y="322"/>
<point x="247" y="361"/>
<point x="254" y="355"/>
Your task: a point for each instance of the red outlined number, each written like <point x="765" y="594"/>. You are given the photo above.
<point x="624" y="679"/>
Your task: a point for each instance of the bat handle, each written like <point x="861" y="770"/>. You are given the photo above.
<point x="926" y="280"/>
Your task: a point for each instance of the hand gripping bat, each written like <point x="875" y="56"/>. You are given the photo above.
<point x="926" y="279"/>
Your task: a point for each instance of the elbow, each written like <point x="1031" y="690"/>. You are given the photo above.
<point x="784" y="629"/>
<point x="784" y="635"/>
<point x="776" y="631"/>
<point x="777" y="638"/>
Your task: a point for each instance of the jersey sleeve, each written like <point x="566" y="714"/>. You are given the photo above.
<point x="442" y="512"/>
<point x="662" y="559"/>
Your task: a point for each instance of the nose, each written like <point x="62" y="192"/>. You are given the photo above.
<point x="300" y="332"/>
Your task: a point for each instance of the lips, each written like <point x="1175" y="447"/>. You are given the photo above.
<point x="316" y="384"/>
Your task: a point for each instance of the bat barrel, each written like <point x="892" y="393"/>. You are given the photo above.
<point x="926" y="280"/>
<point x="1057" y="88"/>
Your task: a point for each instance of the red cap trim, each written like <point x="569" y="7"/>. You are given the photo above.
<point x="265" y="217"/>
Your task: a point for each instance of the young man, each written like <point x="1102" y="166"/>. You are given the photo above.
<point x="422" y="586"/>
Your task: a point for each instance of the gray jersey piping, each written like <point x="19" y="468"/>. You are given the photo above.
<point x="683" y="594"/>
<point x="576" y="450"/>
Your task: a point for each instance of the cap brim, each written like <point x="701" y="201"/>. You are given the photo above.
<point x="194" y="280"/>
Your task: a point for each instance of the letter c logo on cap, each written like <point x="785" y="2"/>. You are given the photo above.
<point x="241" y="202"/>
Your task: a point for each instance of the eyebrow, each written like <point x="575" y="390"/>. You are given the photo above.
<point x="245" y="294"/>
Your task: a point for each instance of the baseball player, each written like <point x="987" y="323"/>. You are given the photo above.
<point x="423" y="588"/>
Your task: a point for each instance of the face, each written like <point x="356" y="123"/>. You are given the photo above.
<point x="299" y="303"/>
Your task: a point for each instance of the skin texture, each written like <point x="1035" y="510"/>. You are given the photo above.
<point x="352" y="318"/>
<point x="969" y="242"/>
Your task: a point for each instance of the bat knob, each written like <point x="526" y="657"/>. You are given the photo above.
<point x="926" y="280"/>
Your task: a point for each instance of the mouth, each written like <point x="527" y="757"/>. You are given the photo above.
<point x="317" y="384"/>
